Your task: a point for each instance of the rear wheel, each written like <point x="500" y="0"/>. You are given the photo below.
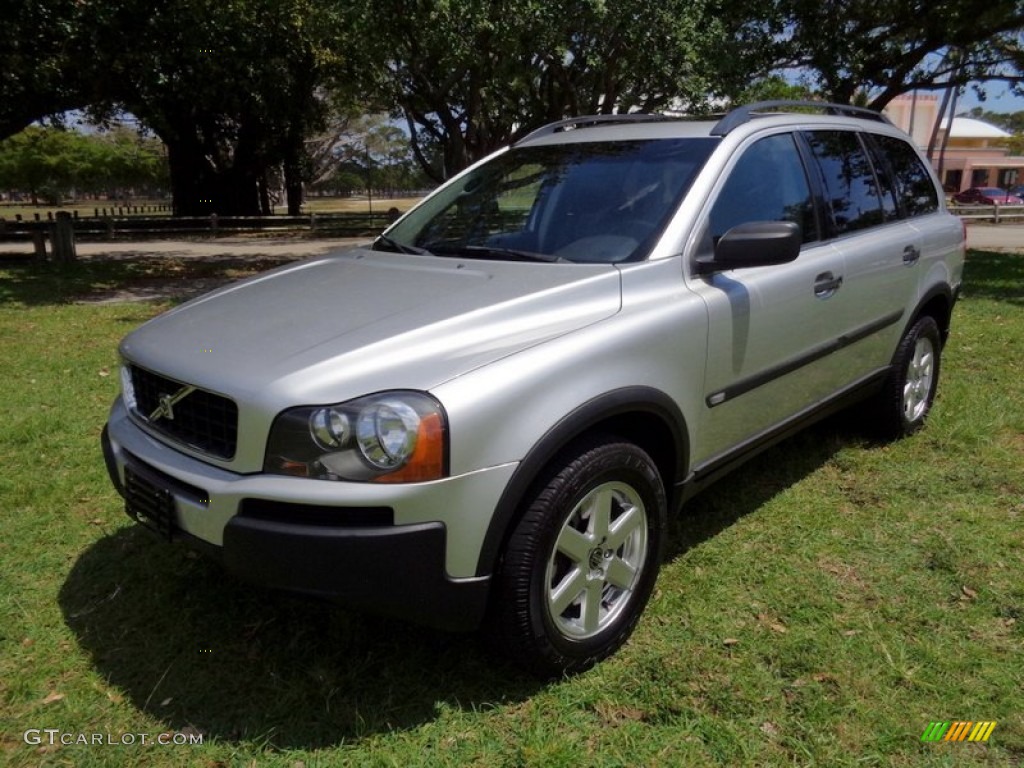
<point x="904" y="402"/>
<point x="580" y="565"/>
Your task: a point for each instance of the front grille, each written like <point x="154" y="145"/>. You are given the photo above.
<point x="199" y="419"/>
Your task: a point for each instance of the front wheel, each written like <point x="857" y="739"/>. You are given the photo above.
<point x="907" y="396"/>
<point x="580" y="565"/>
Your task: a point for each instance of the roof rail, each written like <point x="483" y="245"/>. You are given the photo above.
<point x="747" y="112"/>
<point x="584" y="121"/>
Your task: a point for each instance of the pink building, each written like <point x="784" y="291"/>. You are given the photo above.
<point x="975" y="154"/>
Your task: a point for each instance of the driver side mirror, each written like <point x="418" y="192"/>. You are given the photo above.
<point x="753" y="244"/>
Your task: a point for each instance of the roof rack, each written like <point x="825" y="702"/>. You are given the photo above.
<point x="747" y="112"/>
<point x="729" y="122"/>
<point x="585" y="121"/>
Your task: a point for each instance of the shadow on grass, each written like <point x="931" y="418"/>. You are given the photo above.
<point x="40" y="284"/>
<point x="752" y="485"/>
<point x="994" y="276"/>
<point x="195" y="649"/>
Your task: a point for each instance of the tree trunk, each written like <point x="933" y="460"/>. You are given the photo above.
<point x="293" y="186"/>
<point x="198" y="189"/>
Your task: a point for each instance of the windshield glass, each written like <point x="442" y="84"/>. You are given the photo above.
<point x="597" y="202"/>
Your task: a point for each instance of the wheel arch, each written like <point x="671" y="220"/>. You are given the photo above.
<point x="642" y="415"/>
<point x="938" y="303"/>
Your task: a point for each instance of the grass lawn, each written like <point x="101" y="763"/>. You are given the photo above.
<point x="820" y="607"/>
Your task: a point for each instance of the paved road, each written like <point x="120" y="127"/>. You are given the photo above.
<point x="990" y="237"/>
<point x="211" y="248"/>
<point x="1004" y="237"/>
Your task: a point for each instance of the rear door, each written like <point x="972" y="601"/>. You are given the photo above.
<point x="880" y="248"/>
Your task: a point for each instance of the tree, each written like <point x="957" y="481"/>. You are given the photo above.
<point x="368" y="147"/>
<point x="470" y="76"/>
<point x="52" y="164"/>
<point x="229" y="86"/>
<point x="880" y="50"/>
<point x="39" y="74"/>
<point x="41" y="162"/>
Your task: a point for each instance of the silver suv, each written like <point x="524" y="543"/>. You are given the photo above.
<point x="484" y="418"/>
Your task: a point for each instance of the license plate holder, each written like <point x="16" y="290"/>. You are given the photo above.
<point x="149" y="504"/>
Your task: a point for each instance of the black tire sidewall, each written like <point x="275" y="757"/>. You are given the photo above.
<point x="618" y="462"/>
<point x="925" y="327"/>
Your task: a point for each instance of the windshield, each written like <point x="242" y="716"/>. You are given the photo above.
<point x="596" y="202"/>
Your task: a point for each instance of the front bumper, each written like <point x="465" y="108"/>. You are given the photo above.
<point x="408" y="551"/>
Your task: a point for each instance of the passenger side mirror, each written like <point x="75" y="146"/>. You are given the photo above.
<point x="753" y="244"/>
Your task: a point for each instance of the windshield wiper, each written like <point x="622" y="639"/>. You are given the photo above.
<point x="398" y="247"/>
<point x="494" y="252"/>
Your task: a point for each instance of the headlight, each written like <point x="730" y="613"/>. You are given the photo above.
<point x="392" y="437"/>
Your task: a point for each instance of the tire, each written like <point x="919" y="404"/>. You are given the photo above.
<point x="581" y="563"/>
<point x="902" y="406"/>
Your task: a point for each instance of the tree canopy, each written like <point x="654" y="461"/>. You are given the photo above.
<point x="876" y="51"/>
<point x="468" y="76"/>
<point x="51" y="163"/>
<point x="39" y="72"/>
<point x="228" y="85"/>
<point x="239" y="89"/>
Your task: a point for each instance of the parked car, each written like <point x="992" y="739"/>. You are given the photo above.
<point x="987" y="196"/>
<point x="484" y="419"/>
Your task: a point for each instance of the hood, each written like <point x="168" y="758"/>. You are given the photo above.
<point x="360" y="321"/>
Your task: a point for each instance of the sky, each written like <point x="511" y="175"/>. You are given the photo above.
<point x="999" y="99"/>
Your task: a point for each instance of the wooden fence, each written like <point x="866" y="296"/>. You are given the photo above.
<point x="140" y="227"/>
<point x="997" y="214"/>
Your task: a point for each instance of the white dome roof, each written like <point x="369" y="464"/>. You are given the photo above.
<point x="969" y="128"/>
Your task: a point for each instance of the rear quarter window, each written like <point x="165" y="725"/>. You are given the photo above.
<point x="915" y="190"/>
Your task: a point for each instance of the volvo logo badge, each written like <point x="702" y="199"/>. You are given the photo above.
<point x="167" y="403"/>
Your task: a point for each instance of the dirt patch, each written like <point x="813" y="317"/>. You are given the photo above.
<point x="174" y="270"/>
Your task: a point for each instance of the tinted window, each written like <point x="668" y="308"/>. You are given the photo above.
<point x="585" y="202"/>
<point x="885" y="179"/>
<point x="914" y="186"/>
<point x="767" y="184"/>
<point x="850" y="185"/>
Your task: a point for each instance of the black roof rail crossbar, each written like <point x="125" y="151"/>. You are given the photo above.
<point x="747" y="112"/>
<point x="586" y="120"/>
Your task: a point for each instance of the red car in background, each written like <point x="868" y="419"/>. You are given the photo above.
<point x="987" y="196"/>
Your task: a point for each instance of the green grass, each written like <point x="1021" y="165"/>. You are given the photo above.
<point x="820" y="607"/>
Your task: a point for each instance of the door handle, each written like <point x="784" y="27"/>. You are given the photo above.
<point x="826" y="284"/>
<point x="911" y="254"/>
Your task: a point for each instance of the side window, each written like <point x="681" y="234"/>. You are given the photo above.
<point x="767" y="184"/>
<point x="850" y="185"/>
<point x="884" y="179"/>
<point x="914" y="186"/>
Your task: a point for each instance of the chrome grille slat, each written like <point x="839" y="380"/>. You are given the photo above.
<point x="202" y="420"/>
